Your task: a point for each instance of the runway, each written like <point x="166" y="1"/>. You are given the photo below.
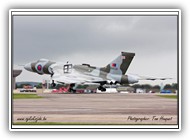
<point x="102" y="108"/>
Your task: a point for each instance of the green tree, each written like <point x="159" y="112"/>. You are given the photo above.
<point x="137" y="86"/>
<point x="146" y="86"/>
<point x="156" y="87"/>
<point x="39" y="85"/>
<point x="175" y="86"/>
<point x="167" y="86"/>
<point x="22" y="85"/>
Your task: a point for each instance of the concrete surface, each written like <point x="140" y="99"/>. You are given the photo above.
<point x="99" y="108"/>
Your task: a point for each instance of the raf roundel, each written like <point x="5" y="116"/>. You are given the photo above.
<point x="39" y="67"/>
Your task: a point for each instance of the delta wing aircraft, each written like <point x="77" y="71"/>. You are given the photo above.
<point x="72" y="75"/>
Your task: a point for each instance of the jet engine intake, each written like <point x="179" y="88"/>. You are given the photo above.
<point x="112" y="82"/>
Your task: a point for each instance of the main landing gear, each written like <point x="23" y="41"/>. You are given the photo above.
<point x="71" y="88"/>
<point x="102" y="88"/>
<point x="53" y="84"/>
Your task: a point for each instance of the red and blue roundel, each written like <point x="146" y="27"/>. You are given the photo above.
<point x="114" y="65"/>
<point x="39" y="67"/>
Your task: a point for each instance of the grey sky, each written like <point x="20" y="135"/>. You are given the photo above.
<point x="97" y="40"/>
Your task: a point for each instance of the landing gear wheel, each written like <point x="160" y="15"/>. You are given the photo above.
<point x="53" y="84"/>
<point x="99" y="88"/>
<point x="71" y="88"/>
<point x="102" y="88"/>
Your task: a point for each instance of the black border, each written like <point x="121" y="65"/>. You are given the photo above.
<point x="45" y="10"/>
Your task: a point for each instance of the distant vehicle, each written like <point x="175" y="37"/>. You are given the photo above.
<point x="65" y="90"/>
<point x="27" y="90"/>
<point x="152" y="91"/>
<point x="140" y="90"/>
<point x="125" y="89"/>
<point x="165" y="91"/>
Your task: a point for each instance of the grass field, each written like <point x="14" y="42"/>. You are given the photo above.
<point x="25" y="96"/>
<point x="168" y="96"/>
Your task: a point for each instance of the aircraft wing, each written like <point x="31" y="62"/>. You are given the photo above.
<point x="77" y="79"/>
<point x="152" y="78"/>
<point x="74" y="77"/>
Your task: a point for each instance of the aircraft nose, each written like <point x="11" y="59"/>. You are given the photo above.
<point x="28" y="67"/>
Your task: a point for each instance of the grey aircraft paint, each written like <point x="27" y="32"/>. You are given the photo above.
<point x="113" y="72"/>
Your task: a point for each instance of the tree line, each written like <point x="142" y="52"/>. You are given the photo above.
<point x="173" y="86"/>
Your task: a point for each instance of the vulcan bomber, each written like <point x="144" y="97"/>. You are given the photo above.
<point x="72" y="75"/>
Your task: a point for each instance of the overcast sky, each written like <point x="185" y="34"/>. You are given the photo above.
<point x="98" y="40"/>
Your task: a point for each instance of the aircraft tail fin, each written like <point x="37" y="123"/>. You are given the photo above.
<point x="120" y="64"/>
